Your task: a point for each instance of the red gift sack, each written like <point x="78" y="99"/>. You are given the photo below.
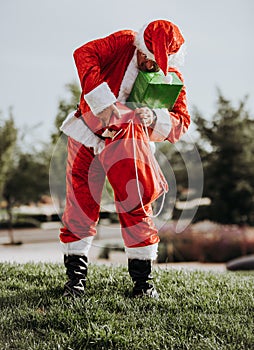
<point x="130" y="164"/>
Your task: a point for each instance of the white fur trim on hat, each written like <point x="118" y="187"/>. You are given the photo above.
<point x="140" y="43"/>
<point x="177" y="59"/>
<point x="174" y="60"/>
<point x="100" y="98"/>
<point x="80" y="247"/>
<point x="162" y="126"/>
<point x="142" y="253"/>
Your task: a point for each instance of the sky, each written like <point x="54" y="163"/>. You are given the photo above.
<point x="37" y="40"/>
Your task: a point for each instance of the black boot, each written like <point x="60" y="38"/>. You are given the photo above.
<point x="76" y="270"/>
<point x="140" y="272"/>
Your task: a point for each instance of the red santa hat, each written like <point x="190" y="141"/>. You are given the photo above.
<point x="158" y="40"/>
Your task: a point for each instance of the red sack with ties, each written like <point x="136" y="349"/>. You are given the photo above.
<point x="130" y="164"/>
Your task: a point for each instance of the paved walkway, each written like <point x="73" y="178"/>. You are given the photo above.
<point x="41" y="245"/>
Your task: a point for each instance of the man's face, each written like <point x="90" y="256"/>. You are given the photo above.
<point x="146" y="65"/>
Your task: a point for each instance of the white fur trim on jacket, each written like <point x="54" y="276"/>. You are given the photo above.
<point x="128" y="79"/>
<point x="79" y="131"/>
<point x="162" y="126"/>
<point x="142" y="253"/>
<point x="100" y="98"/>
<point x="80" y="247"/>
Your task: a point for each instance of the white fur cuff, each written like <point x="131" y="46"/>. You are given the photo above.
<point x="162" y="126"/>
<point x="142" y="253"/>
<point x="77" y="129"/>
<point x="80" y="247"/>
<point x="100" y="98"/>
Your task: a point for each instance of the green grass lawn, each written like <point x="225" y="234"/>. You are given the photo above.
<point x="196" y="310"/>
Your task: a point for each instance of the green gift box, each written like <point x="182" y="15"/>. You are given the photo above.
<point x="155" y="90"/>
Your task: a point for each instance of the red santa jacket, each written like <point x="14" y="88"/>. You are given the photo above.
<point x="101" y="66"/>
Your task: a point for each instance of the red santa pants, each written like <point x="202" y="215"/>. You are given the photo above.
<point x="85" y="177"/>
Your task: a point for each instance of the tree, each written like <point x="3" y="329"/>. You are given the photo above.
<point x="27" y="181"/>
<point x="183" y="170"/>
<point x="66" y="107"/>
<point x="59" y="146"/>
<point x="227" y="148"/>
<point x="8" y="138"/>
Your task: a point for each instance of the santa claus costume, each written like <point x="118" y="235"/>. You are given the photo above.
<point x="107" y="70"/>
